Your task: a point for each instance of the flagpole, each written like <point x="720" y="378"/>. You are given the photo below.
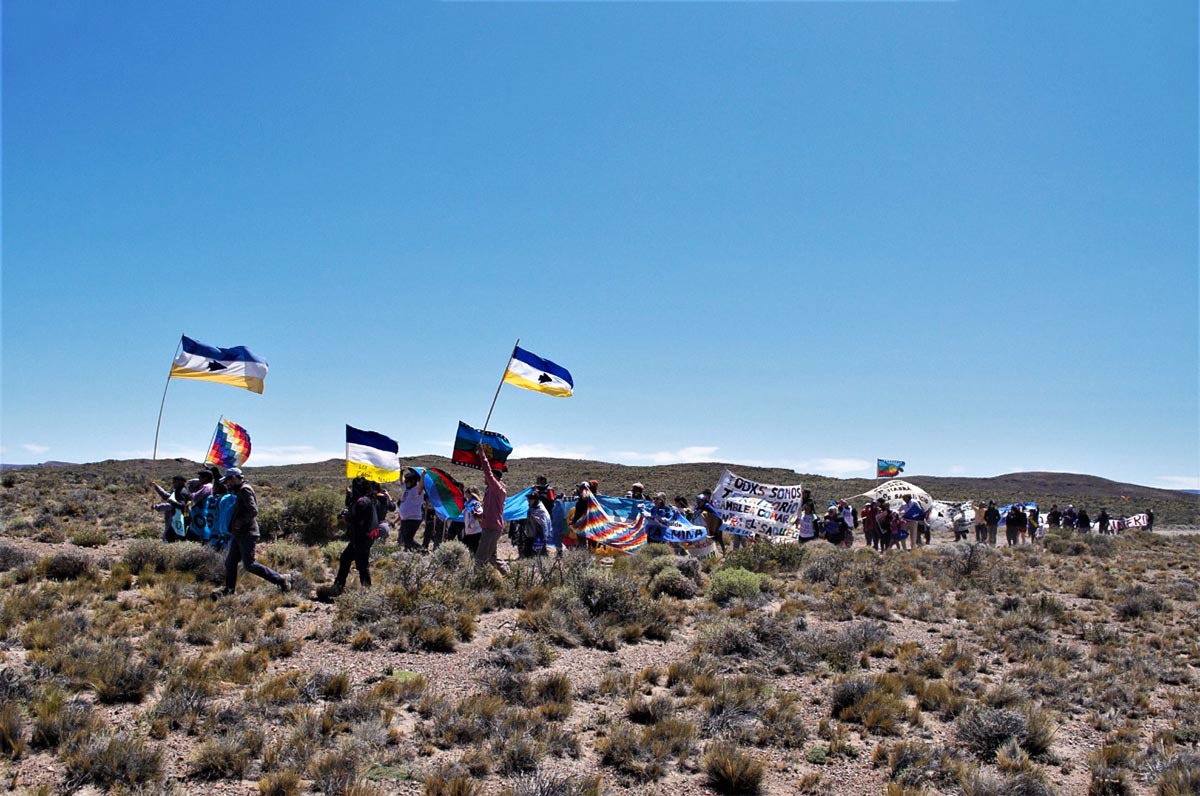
<point x="501" y="384"/>
<point x="158" y="426"/>
<point x="213" y="439"/>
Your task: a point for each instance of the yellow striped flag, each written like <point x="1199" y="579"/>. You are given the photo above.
<point x="234" y="366"/>
<point x="531" y="372"/>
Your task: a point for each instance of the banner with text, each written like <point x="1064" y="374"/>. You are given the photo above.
<point x="748" y="507"/>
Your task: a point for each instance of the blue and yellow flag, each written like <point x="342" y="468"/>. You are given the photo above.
<point x="371" y="455"/>
<point x="235" y="366"/>
<point x="531" y="372"/>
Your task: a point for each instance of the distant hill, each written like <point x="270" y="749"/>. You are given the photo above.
<point x="1169" y="506"/>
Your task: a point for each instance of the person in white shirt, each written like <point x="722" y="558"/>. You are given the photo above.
<point x="472" y="512"/>
<point x="411" y="509"/>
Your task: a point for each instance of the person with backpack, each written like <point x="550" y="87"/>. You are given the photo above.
<point x="243" y="528"/>
<point x="174" y="508"/>
<point x="362" y="529"/>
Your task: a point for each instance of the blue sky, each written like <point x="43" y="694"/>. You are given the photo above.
<point x="804" y="234"/>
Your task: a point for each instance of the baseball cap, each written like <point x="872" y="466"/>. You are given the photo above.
<point x="232" y="471"/>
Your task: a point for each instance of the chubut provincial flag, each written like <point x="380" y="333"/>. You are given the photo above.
<point x="235" y="366"/>
<point x="531" y="372"/>
<point x="468" y="439"/>
<point x="888" y="468"/>
<point x="371" y="455"/>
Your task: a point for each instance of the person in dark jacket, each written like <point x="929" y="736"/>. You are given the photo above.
<point x="1012" y="523"/>
<point x="243" y="529"/>
<point x="1082" y="521"/>
<point x="991" y="518"/>
<point x="362" y="524"/>
<point x="174" y="500"/>
<point x="1054" y="517"/>
<point x="1104" y="519"/>
<point x="1149" y="519"/>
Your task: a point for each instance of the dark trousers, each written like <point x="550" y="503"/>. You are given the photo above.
<point x="241" y="548"/>
<point x="408" y="533"/>
<point x="453" y="531"/>
<point x="981" y="533"/>
<point x="872" y="537"/>
<point x="434" y="528"/>
<point x="358" y="551"/>
<point x="1011" y="533"/>
<point x="472" y="542"/>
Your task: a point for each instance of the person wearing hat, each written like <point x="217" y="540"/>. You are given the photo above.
<point x="243" y="529"/>
<point x="411" y="509"/>
<point x="637" y="491"/>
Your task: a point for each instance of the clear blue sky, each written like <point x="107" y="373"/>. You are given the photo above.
<point x="961" y="234"/>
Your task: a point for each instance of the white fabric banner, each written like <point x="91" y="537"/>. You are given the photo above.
<point x="894" y="491"/>
<point x="748" y="507"/>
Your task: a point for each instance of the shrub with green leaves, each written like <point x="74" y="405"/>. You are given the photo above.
<point x="672" y="582"/>
<point x="312" y="516"/>
<point x="736" y="583"/>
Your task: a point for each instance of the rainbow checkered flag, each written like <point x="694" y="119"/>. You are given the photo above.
<point x="230" y="446"/>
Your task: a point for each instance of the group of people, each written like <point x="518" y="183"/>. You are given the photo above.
<point x="222" y="510"/>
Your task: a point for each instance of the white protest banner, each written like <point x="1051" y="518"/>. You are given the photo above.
<point x="748" y="507"/>
<point x="894" y="491"/>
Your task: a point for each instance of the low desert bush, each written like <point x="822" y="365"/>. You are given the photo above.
<point x="57" y="720"/>
<point x="226" y="756"/>
<point x="89" y="537"/>
<point x="111" y="760"/>
<point x="1139" y="601"/>
<point x="985" y="730"/>
<point x="765" y="557"/>
<point x="12" y="730"/>
<point x="736" y="583"/>
<point x="13" y="557"/>
<point x="731" y="770"/>
<point x="546" y="784"/>
<point x="67" y="565"/>
<point x="285" y="782"/>
<point x="1181" y="776"/>
<point x="311" y="516"/>
<point x="672" y="582"/>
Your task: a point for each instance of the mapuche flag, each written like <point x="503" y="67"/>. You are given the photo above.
<point x="468" y="439"/>
<point x="235" y="366"/>
<point x="888" y="468"/>
<point x="371" y="455"/>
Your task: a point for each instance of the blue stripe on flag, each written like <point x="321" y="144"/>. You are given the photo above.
<point x="235" y="354"/>
<point x="544" y="365"/>
<point x="372" y="439"/>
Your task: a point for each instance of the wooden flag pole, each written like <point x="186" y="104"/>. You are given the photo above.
<point x="212" y="440"/>
<point x="158" y="426"/>
<point x="501" y="384"/>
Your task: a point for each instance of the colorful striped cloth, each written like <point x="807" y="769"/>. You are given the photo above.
<point x="230" y="447"/>
<point x="444" y="493"/>
<point x="599" y="527"/>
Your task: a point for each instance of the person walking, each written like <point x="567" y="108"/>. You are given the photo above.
<point x="1103" y="519"/>
<point x="492" y="520"/>
<point x="243" y="529"/>
<point x="362" y="529"/>
<point x="1054" y="517"/>
<point x="200" y="493"/>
